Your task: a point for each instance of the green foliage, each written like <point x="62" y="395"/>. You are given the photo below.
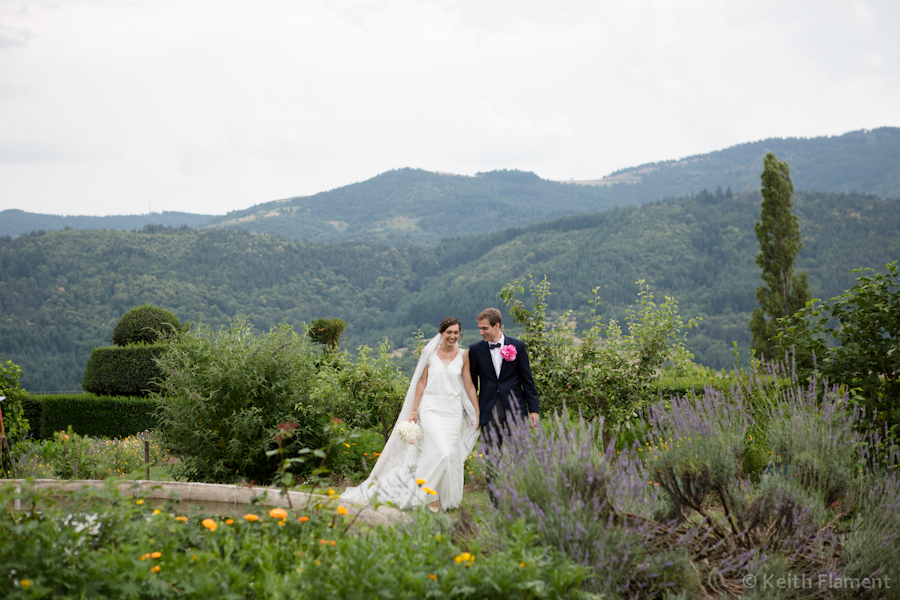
<point x="852" y="339"/>
<point x="62" y="293"/>
<point x="368" y="393"/>
<point x="327" y="332"/>
<point x="357" y="454"/>
<point x="778" y="231"/>
<point x="146" y="324"/>
<point x="609" y="373"/>
<point x="224" y="395"/>
<point x="98" y="458"/>
<point x="96" y="416"/>
<point x="126" y="371"/>
<point x="14" y="418"/>
<point x="97" y="543"/>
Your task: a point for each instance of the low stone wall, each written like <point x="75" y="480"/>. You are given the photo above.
<point x="232" y="496"/>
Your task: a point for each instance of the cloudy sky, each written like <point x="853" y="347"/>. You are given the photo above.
<point x="123" y="106"/>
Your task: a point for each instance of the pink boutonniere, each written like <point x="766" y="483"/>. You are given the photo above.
<point x="508" y="352"/>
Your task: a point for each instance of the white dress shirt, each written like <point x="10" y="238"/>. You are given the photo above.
<point x="496" y="357"/>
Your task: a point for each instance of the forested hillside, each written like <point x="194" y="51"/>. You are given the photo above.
<point x="61" y="293"/>
<point x="414" y="206"/>
<point x="16" y="222"/>
<point x="864" y="161"/>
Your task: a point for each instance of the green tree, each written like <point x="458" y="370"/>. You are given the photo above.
<point x="778" y="231"/>
<point x="327" y="332"/>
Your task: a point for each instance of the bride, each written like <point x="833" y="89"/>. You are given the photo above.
<point x="443" y="401"/>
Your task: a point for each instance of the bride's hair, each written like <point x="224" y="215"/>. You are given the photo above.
<point x="448" y="322"/>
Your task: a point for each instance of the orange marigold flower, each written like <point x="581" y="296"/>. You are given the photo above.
<point x="146" y="556"/>
<point x="430" y="491"/>
<point x="209" y="524"/>
<point x="420" y="481"/>
<point x="156" y="555"/>
<point x="341" y="510"/>
<point x="321" y="541"/>
<point x="304" y="519"/>
<point x="156" y="568"/>
<point x="432" y="576"/>
<point x="251" y="517"/>
<point x="182" y="519"/>
<point x="333" y="543"/>
<point x="229" y="521"/>
<point x="278" y="513"/>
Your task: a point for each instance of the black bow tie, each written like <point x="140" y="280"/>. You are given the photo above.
<point x="492" y="346"/>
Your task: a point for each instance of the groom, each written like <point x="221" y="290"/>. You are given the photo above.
<point x="500" y="371"/>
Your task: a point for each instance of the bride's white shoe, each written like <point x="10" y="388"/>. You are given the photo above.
<point x="434" y="507"/>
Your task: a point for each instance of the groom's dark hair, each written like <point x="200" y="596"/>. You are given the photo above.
<point x="492" y="315"/>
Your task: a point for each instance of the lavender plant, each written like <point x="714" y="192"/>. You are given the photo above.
<point x="676" y="515"/>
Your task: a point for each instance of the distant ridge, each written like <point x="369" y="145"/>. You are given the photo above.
<point x="16" y="222"/>
<point x="409" y="206"/>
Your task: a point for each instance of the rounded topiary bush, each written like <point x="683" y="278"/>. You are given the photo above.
<point x="145" y="325"/>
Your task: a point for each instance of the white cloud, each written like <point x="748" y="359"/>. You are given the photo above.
<point x="208" y="106"/>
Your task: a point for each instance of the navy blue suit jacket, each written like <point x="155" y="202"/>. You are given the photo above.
<point x="514" y="388"/>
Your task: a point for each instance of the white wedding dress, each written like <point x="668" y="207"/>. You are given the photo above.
<point x="449" y="432"/>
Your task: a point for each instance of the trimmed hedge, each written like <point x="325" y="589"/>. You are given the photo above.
<point x="96" y="416"/>
<point x="145" y="324"/>
<point x="128" y="371"/>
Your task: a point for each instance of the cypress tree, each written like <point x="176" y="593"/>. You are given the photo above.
<point x="778" y="231"/>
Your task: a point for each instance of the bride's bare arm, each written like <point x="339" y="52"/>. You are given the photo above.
<point x="420" y="389"/>
<point x="469" y="384"/>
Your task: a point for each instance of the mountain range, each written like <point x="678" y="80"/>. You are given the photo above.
<point x="412" y="206"/>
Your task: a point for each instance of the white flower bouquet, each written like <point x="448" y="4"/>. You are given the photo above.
<point x="409" y="432"/>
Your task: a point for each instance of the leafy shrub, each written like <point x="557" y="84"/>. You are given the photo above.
<point x="128" y="371"/>
<point x="97" y="543"/>
<point x="97" y="416"/>
<point x="610" y="373"/>
<point x="225" y="393"/>
<point x="14" y="419"/>
<point x="145" y="324"/>
<point x="367" y="393"/>
<point x="853" y="339"/>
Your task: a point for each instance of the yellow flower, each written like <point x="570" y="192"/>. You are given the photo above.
<point x="139" y="502"/>
<point x="521" y="564"/>
<point x="156" y="555"/>
<point x="341" y="510"/>
<point x="432" y="576"/>
<point x="210" y="524"/>
<point x="156" y="511"/>
<point x="430" y="491"/>
<point x="304" y="519"/>
<point x="194" y="557"/>
<point x="146" y="556"/>
<point x="183" y="519"/>
<point x="251" y="517"/>
<point x="229" y="521"/>
<point x="420" y="481"/>
<point x="156" y="568"/>
<point x="466" y="558"/>
<point x="278" y="513"/>
<point x="25" y="583"/>
<point x="331" y="493"/>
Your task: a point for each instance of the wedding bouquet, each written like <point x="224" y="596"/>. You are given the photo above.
<point x="409" y="432"/>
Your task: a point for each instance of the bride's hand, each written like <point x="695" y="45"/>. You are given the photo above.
<point x="412" y="417"/>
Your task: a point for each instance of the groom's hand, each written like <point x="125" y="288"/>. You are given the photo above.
<point x="533" y="417"/>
